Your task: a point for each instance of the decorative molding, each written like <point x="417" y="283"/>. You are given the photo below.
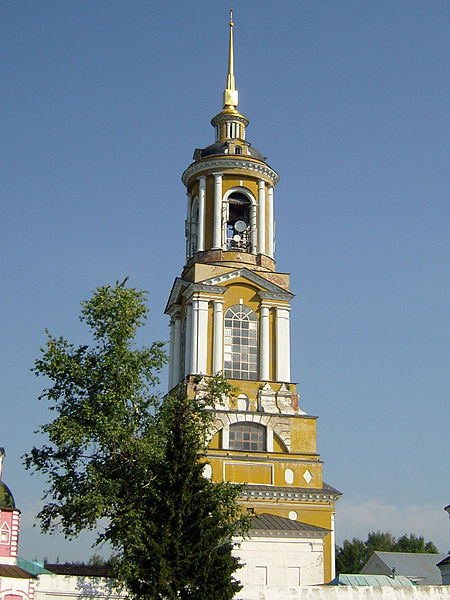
<point x="289" y="494"/>
<point x="230" y="163"/>
<point x="277" y="296"/>
<point x="271" y="288"/>
<point x="178" y="285"/>
<point x="195" y="288"/>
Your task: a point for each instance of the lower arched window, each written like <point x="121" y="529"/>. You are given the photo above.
<point x="247" y="436"/>
<point x="240" y="343"/>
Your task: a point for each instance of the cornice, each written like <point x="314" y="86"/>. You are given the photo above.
<point x="280" y="296"/>
<point x="194" y="288"/>
<point x="273" y="493"/>
<point x="226" y="162"/>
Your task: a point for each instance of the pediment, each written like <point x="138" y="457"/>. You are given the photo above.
<point x="178" y="287"/>
<point x="252" y="277"/>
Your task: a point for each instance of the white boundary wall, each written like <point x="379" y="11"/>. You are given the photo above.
<point x="432" y="592"/>
<point x="61" y="587"/>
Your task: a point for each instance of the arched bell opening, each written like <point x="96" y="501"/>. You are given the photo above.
<point x="240" y="222"/>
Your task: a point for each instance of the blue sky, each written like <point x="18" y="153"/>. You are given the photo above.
<point x="103" y="104"/>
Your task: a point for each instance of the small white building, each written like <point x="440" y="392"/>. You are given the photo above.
<point x="281" y="551"/>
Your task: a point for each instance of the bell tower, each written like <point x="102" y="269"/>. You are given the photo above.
<point x="229" y="312"/>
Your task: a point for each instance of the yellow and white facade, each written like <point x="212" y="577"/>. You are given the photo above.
<point x="230" y="313"/>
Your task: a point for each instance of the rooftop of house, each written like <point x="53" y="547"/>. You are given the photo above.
<point x="371" y="580"/>
<point x="419" y="567"/>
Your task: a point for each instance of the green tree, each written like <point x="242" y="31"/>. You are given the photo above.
<point x="188" y="521"/>
<point x="117" y="452"/>
<point x="353" y="555"/>
<point x="413" y="543"/>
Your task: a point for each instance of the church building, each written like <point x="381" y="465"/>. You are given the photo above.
<point x="230" y="313"/>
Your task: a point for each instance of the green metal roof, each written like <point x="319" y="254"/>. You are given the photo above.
<point x="6" y="498"/>
<point x="33" y="567"/>
<point x="372" y="580"/>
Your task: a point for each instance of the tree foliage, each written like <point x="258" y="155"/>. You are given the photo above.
<point x="120" y="454"/>
<point x="353" y="555"/>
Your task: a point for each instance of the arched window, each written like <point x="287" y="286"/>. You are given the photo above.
<point x="241" y="343"/>
<point x="4" y="534"/>
<point x="247" y="436"/>
<point x="238" y="222"/>
<point x="238" y="150"/>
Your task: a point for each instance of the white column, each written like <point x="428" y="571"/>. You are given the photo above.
<point x="261" y="217"/>
<point x="270" y="223"/>
<point x="226" y="437"/>
<point x="176" y="369"/>
<point x="264" y="344"/>
<point x="187" y="341"/>
<point x="283" y="370"/>
<point x="217" y="242"/>
<point x="253" y="228"/>
<point x="188" y="225"/>
<point x="202" y="337"/>
<point x="218" y="337"/>
<point x="333" y="549"/>
<point x="269" y="439"/>
<point x="171" y="352"/>
<point x="194" y="337"/>
<point x="201" y="214"/>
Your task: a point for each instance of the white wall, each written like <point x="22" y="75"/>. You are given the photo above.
<point x="70" y="587"/>
<point x="280" y="561"/>
<point x="432" y="592"/>
<point x="17" y="587"/>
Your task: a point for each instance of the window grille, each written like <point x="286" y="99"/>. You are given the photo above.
<point x="247" y="436"/>
<point x="241" y="343"/>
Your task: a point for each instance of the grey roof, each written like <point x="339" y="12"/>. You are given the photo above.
<point x="372" y="580"/>
<point x="265" y="523"/>
<point x="219" y="148"/>
<point x="325" y="489"/>
<point x="419" y="567"/>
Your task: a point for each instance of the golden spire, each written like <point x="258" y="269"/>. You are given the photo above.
<point x="230" y="95"/>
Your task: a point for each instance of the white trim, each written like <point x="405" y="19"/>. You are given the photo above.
<point x="231" y="163"/>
